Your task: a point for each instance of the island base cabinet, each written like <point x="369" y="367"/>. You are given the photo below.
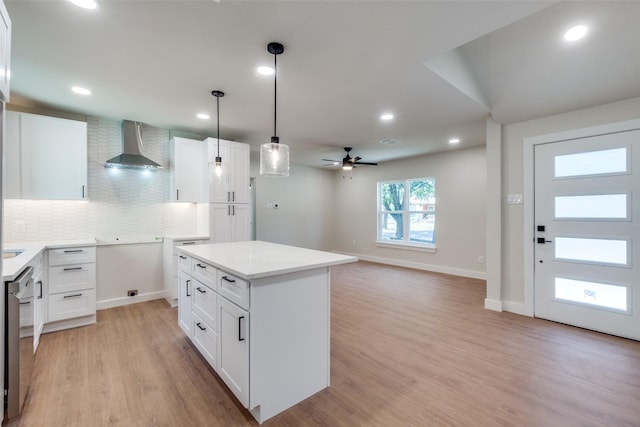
<point x="205" y="339"/>
<point x="234" y="349"/>
<point x="185" y="290"/>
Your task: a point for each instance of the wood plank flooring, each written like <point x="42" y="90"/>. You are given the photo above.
<point x="409" y="348"/>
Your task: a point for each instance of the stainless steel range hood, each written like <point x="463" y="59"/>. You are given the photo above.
<point x="132" y="157"/>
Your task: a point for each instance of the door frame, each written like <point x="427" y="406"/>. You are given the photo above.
<point x="528" y="169"/>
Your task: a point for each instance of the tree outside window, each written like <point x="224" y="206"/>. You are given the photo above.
<point x="411" y="222"/>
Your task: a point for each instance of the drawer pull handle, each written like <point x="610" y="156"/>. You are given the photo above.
<point x="72" y="268"/>
<point x="228" y="280"/>
<point x="188" y="243"/>
<point x="240" y="337"/>
<point x="202" y="266"/>
<point x="72" y="296"/>
<point x="183" y="257"/>
<point x="201" y="327"/>
<point x="25" y="302"/>
<point x="202" y="291"/>
<point x="73" y="251"/>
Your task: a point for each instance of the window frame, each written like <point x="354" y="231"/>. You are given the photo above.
<point x="406" y="212"/>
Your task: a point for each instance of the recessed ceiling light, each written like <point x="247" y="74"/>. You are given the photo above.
<point x="81" y="90"/>
<point x="265" y="71"/>
<point x="575" y="33"/>
<point x="203" y="116"/>
<point x="454" y="140"/>
<point x="85" y="4"/>
<point x="386" y="117"/>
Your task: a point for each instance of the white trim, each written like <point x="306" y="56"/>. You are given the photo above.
<point x="408" y="246"/>
<point x="493" y="304"/>
<point x="117" y="302"/>
<point x="528" y="147"/>
<point x="516" y="307"/>
<point x="421" y="266"/>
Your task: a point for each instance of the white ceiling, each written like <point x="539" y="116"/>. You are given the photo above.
<point x="441" y="67"/>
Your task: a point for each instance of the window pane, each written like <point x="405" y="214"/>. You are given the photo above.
<point x="422" y="195"/>
<point x="392" y="196"/>
<point x="421" y="227"/>
<point x="598" y="294"/>
<point x="591" y="250"/>
<point x="591" y="163"/>
<point x="391" y="226"/>
<point x="608" y="206"/>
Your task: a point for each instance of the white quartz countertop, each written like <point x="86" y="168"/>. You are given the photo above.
<point x="257" y="259"/>
<point x="12" y="267"/>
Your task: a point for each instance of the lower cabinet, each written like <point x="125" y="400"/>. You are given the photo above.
<point x="38" y="300"/>
<point x="71" y="288"/>
<point x="234" y="349"/>
<point x="217" y="327"/>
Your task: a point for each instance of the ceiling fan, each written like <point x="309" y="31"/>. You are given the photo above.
<point x="348" y="162"/>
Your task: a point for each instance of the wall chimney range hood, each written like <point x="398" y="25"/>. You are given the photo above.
<point x="132" y="157"/>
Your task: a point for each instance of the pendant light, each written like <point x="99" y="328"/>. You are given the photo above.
<point x="218" y="163"/>
<point x="274" y="157"/>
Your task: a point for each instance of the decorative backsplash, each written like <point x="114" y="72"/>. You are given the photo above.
<point x="122" y="202"/>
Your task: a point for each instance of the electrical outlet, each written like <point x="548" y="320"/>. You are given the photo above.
<point x="132" y="292"/>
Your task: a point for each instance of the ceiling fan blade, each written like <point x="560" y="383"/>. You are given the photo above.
<point x="332" y="161"/>
<point x="355" y="159"/>
<point x="365" y="163"/>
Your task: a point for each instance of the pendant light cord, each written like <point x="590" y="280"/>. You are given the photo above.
<point x="275" y="91"/>
<point x="218" y="120"/>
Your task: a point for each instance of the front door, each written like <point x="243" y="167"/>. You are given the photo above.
<point x="587" y="232"/>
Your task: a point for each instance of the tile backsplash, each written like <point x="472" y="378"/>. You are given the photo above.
<point x="121" y="203"/>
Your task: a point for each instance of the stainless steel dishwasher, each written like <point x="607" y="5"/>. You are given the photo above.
<point x="18" y="341"/>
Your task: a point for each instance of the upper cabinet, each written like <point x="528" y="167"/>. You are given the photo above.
<point x="45" y="158"/>
<point x="5" y="52"/>
<point x="233" y="184"/>
<point x="187" y="170"/>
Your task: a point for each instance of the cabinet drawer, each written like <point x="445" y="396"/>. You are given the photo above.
<point x="205" y="304"/>
<point x="234" y="289"/>
<point x="67" y="278"/>
<point x="205" y="339"/>
<point x="72" y="304"/>
<point x="184" y="262"/>
<point x="72" y="256"/>
<point x="204" y="272"/>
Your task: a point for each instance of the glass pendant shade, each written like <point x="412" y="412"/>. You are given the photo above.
<point x="274" y="159"/>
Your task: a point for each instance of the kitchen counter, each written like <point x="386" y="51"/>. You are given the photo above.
<point x="256" y="259"/>
<point x="11" y="267"/>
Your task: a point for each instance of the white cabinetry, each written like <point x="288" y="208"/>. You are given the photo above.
<point x="234" y="349"/>
<point x="71" y="287"/>
<point x="5" y="53"/>
<point x="38" y="299"/>
<point x="51" y="157"/>
<point x="172" y="262"/>
<point x="229" y="222"/>
<point x="187" y="178"/>
<point x="185" y="302"/>
<point x="233" y="184"/>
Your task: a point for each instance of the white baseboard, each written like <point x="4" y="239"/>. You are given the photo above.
<point x="516" y="307"/>
<point x="493" y="304"/>
<point x="69" y="323"/>
<point x="117" y="302"/>
<point x="421" y="266"/>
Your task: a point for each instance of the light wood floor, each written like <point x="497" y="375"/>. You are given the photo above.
<point x="409" y="348"/>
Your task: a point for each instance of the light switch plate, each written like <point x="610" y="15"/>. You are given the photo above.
<point x="514" y="199"/>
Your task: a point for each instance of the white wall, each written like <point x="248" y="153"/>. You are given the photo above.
<point x="512" y="286"/>
<point x="460" y="177"/>
<point x="305" y="214"/>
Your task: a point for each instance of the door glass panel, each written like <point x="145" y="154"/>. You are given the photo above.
<point x="592" y="293"/>
<point x="591" y="250"/>
<point x="591" y="163"/>
<point x="609" y="206"/>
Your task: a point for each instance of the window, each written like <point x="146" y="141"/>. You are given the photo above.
<point x="407" y="212"/>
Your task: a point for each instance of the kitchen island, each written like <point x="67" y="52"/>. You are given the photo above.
<point x="259" y="313"/>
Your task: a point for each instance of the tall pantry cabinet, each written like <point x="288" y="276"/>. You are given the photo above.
<point x="229" y="193"/>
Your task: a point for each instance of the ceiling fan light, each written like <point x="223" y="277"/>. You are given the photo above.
<point x="346" y="167"/>
<point x="274" y="159"/>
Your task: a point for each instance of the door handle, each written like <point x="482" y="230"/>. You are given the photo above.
<point x="199" y="289"/>
<point x="542" y="241"/>
<point x="187" y="288"/>
<point x="240" y="337"/>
